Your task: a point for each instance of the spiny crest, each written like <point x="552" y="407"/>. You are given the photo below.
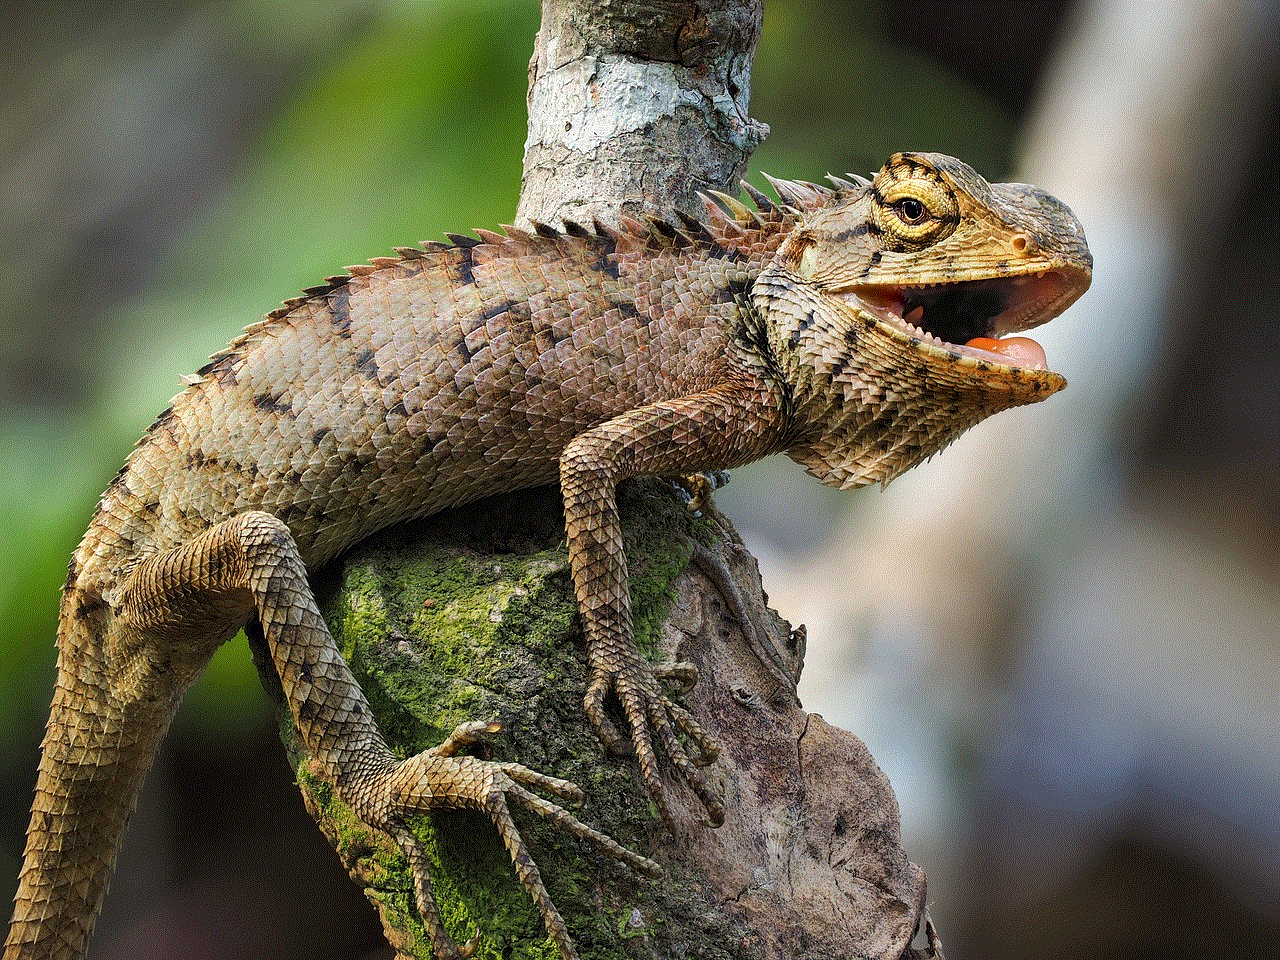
<point x="799" y="197"/>
<point x="729" y="220"/>
<point x="330" y="284"/>
<point x="806" y="197"/>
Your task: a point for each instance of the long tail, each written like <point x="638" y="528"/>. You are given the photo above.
<point x="96" y="753"/>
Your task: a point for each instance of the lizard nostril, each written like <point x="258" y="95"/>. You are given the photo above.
<point x="1023" y="244"/>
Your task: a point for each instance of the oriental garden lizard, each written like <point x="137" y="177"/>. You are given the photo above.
<point x="857" y="328"/>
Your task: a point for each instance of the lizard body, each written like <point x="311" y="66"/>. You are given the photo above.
<point x="851" y="328"/>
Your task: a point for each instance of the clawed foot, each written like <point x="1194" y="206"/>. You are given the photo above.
<point x="696" y="488"/>
<point x="443" y="778"/>
<point x="653" y="715"/>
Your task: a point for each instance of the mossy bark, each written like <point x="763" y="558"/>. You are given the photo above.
<point x="470" y="615"/>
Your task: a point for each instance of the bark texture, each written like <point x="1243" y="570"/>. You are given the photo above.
<point x="635" y="106"/>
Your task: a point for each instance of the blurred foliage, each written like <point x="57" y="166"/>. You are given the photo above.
<point x="399" y="121"/>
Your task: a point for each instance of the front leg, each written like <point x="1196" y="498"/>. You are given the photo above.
<point x="721" y="427"/>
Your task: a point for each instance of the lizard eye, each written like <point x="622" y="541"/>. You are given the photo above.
<point x="910" y="210"/>
<point x="913" y="205"/>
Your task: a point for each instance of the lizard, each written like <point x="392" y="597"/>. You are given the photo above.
<point x="857" y="328"/>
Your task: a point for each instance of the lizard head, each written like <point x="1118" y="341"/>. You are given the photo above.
<point x="899" y="294"/>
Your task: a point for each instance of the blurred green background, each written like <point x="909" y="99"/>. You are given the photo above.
<point x="174" y="171"/>
<point x="170" y="172"/>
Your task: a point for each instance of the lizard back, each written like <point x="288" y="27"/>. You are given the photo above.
<point x="421" y="382"/>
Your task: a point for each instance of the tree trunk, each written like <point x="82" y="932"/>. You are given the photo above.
<point x="470" y="614"/>
<point x="636" y="105"/>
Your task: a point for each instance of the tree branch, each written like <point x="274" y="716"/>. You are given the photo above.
<point x="634" y="107"/>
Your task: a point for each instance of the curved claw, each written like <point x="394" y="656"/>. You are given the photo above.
<point x="661" y="722"/>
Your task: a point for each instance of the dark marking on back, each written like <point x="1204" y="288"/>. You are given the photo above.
<point x="160" y="423"/>
<point x="665" y="228"/>
<point x="464" y="265"/>
<point x="714" y="250"/>
<point x="320" y="434"/>
<point x="340" y="312"/>
<point x="363" y="462"/>
<point x="222" y="367"/>
<point x="735" y="291"/>
<point x="625" y="308"/>
<point x="272" y="403"/>
<point x="89" y="607"/>
<point x="367" y="364"/>
<point x="606" y="262"/>
<point x="399" y="410"/>
<point x="695" y="228"/>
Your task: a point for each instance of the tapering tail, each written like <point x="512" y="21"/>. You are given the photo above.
<point x="96" y="753"/>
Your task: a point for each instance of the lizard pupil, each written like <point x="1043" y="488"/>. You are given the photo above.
<point x="911" y="210"/>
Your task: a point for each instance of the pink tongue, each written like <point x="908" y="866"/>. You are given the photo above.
<point x="1018" y="351"/>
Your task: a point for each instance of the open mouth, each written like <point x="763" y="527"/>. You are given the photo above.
<point x="971" y="318"/>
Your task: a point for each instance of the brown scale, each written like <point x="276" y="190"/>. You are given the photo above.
<point x="460" y="370"/>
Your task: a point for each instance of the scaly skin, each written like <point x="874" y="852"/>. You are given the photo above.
<point x="460" y="370"/>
